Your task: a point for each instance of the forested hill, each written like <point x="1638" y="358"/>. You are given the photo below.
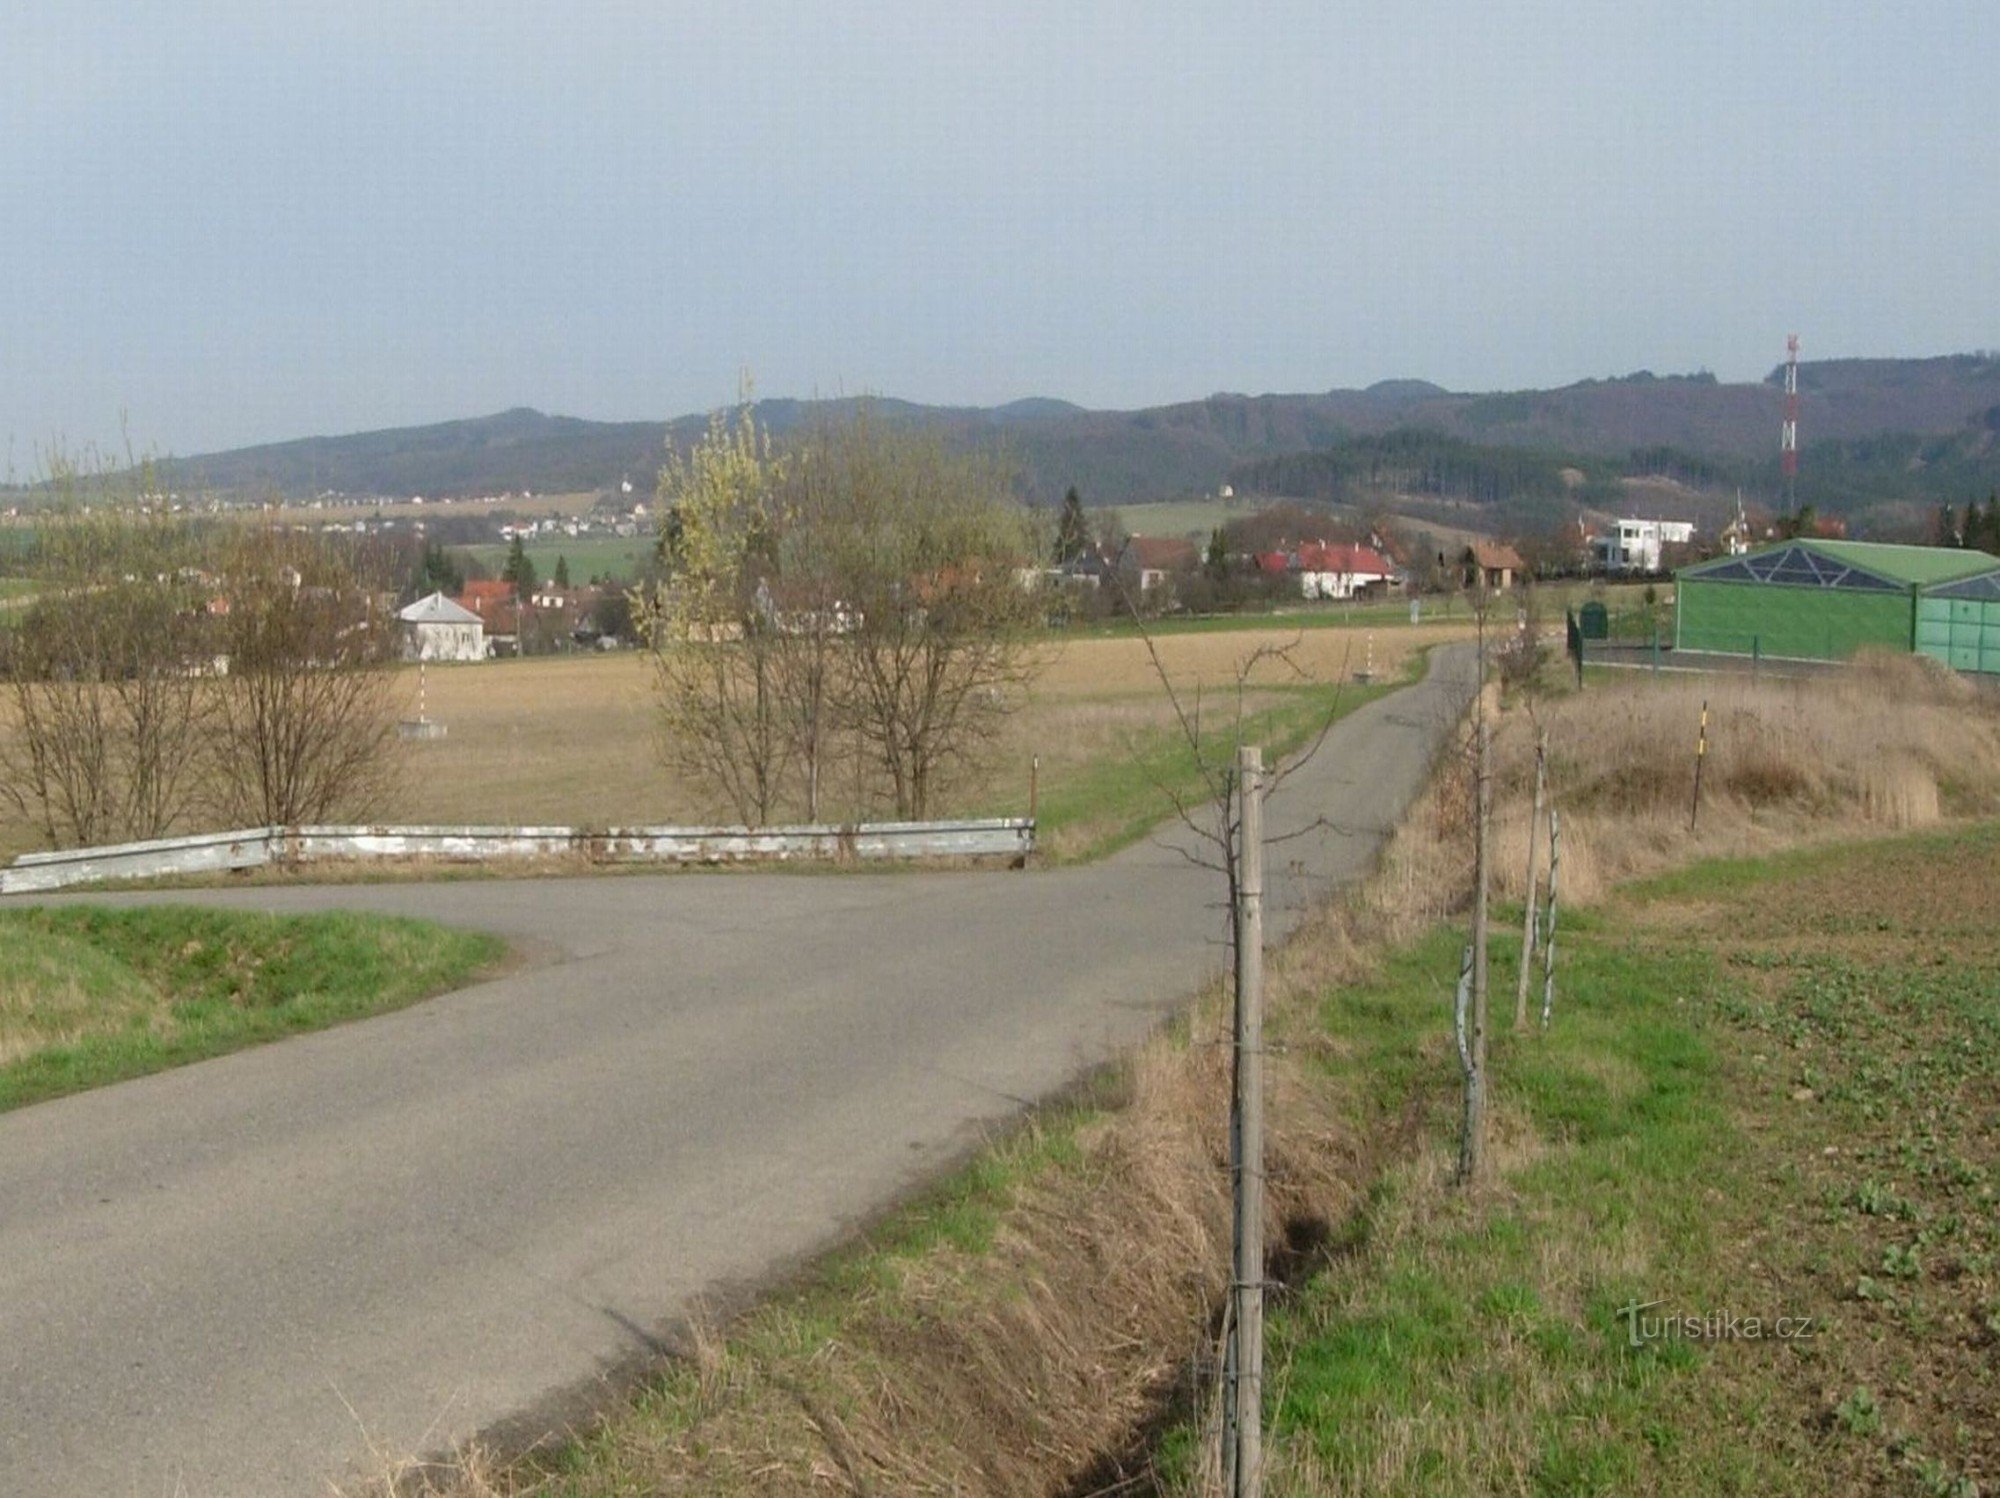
<point x="1888" y="486"/>
<point x="1118" y="457"/>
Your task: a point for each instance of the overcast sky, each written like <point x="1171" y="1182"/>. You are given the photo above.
<point x="229" y="221"/>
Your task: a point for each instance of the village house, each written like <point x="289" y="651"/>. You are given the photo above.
<point x="1327" y="570"/>
<point x="1639" y="545"/>
<point x="1493" y="565"/>
<point x="493" y="603"/>
<point x="436" y="629"/>
<point x="1155" y="561"/>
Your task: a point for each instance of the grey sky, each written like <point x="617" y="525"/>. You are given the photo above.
<point x="232" y="221"/>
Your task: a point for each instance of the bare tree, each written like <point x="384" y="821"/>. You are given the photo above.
<point x="814" y="619"/>
<point x="1226" y="820"/>
<point x="106" y="677"/>
<point x="713" y="622"/>
<point x="306" y="710"/>
<point x="858" y="597"/>
<point x="929" y="552"/>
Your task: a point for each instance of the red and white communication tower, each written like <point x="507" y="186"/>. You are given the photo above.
<point x="1788" y="434"/>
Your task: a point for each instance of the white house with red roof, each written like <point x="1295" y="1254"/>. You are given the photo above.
<point x="1332" y="570"/>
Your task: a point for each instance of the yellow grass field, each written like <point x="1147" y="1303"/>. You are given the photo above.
<point x="571" y="739"/>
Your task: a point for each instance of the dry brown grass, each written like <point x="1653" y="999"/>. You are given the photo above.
<point x="1889" y="744"/>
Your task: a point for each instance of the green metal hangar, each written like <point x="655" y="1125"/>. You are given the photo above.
<point x="1824" y="600"/>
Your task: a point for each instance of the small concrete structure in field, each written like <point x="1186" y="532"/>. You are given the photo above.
<point x="436" y="629"/>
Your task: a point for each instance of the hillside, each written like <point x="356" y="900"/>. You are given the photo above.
<point x="1859" y="419"/>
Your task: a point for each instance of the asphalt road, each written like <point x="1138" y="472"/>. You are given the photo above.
<point x="262" y="1273"/>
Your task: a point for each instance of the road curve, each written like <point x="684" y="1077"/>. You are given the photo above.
<point x="255" y="1275"/>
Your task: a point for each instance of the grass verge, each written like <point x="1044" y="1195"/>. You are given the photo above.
<point x="91" y="995"/>
<point x="1105" y="804"/>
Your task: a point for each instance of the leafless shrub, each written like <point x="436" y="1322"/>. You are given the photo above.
<point x="1520" y="654"/>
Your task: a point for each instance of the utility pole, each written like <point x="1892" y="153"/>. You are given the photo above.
<point x="1245" y="1477"/>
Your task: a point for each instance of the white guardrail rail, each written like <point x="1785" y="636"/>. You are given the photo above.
<point x="1011" y="838"/>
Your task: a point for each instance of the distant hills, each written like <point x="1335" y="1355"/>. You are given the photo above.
<point x="1875" y="431"/>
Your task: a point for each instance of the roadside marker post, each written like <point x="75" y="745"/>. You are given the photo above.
<point x="1700" y="754"/>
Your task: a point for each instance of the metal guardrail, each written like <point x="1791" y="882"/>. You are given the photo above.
<point x="1011" y="838"/>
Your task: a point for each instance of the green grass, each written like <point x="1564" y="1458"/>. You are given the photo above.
<point x="616" y="557"/>
<point x="92" y="995"/>
<point x="1109" y="803"/>
<point x="1193" y="518"/>
<point x="1765" y="1104"/>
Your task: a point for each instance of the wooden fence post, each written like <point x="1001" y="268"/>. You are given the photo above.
<point x="1549" y="932"/>
<point x="1247" y="1271"/>
<point x="1528" y="919"/>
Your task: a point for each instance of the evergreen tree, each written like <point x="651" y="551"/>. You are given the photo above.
<point x="437" y="572"/>
<point x="1989" y="533"/>
<point x="562" y="573"/>
<point x="1218" y="554"/>
<point x="520" y="569"/>
<point x="1072" y="530"/>
<point x="1974" y="530"/>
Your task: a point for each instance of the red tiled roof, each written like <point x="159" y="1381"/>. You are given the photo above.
<point x="1350" y="561"/>
<point x="495" y="604"/>
<point x="1162" y="553"/>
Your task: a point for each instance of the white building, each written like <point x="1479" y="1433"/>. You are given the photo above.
<point x="1638" y="545"/>
<point x="436" y="629"/>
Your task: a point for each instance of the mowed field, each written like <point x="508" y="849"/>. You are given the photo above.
<point x="618" y="558"/>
